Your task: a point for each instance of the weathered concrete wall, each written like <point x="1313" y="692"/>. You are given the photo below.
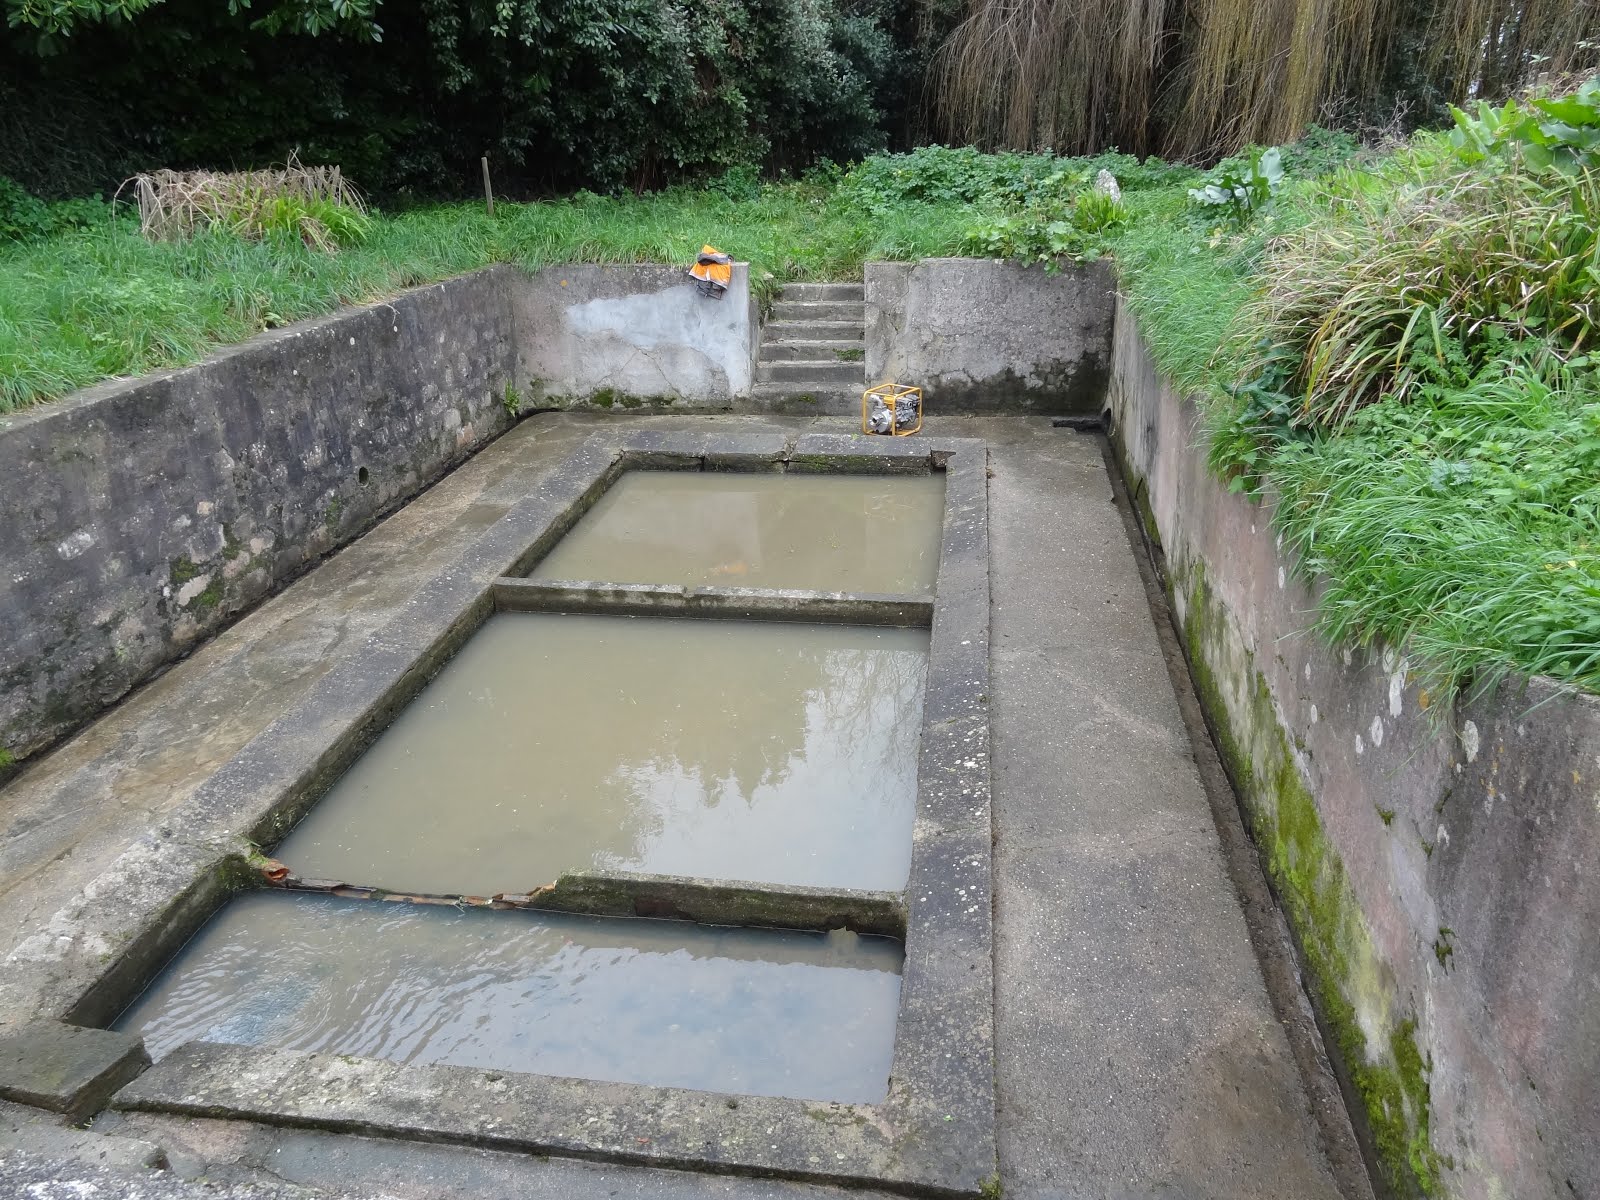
<point x="629" y="336"/>
<point x="1440" y="861"/>
<point x="982" y="335"/>
<point x="141" y="515"/>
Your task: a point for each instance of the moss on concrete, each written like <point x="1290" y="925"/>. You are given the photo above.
<point x="1352" y="986"/>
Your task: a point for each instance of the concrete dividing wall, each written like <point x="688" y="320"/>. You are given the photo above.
<point x="983" y="335"/>
<point x="1440" y="861"/>
<point x="141" y="515"/>
<point x="632" y="336"/>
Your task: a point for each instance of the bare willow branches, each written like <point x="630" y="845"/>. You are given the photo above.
<point x="1199" y="78"/>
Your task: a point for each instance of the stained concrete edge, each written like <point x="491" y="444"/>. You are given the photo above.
<point x="758" y="604"/>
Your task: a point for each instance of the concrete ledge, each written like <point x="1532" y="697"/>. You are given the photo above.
<point x="986" y="335"/>
<point x="1436" y="858"/>
<point x="659" y="897"/>
<point x="753" y="604"/>
<point x="66" y="1069"/>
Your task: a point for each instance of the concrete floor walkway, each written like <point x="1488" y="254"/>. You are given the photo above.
<point x="1140" y="1053"/>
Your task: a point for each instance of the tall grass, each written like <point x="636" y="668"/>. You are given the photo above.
<point x="1396" y="278"/>
<point x="104" y="302"/>
<point x="1464" y="525"/>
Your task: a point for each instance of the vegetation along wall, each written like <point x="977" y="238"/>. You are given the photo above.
<point x="1435" y="854"/>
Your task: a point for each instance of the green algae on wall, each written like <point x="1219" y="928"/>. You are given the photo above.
<point x="1353" y="987"/>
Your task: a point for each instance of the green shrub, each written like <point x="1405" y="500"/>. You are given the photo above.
<point x="1462" y="525"/>
<point x="1560" y="133"/>
<point x="1240" y="188"/>
<point x="22" y="217"/>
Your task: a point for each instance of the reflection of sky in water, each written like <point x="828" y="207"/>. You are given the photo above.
<point x="846" y="533"/>
<point x="657" y="1002"/>
<point x="738" y="750"/>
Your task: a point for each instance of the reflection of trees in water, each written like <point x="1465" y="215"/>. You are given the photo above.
<point x="756" y="713"/>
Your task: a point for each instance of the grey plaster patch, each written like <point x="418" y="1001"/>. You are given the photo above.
<point x="631" y="336"/>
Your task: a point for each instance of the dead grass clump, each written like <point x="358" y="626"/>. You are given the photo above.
<point x="317" y="204"/>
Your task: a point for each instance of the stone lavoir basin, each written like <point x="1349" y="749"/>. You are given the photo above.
<point x="761" y="751"/>
<point x="713" y="751"/>
<point x="628" y="1001"/>
<point x="850" y="533"/>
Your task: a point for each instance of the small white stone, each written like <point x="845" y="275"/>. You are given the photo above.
<point x="1397" y="688"/>
<point x="75" y="544"/>
<point x="1469" y="741"/>
<point x="1360" y="745"/>
<point x="1376" y="731"/>
<point x="1281" y="577"/>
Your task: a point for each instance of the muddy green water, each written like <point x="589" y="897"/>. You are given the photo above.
<point x="832" y="533"/>
<point x="735" y="749"/>
<point x="656" y="1002"/>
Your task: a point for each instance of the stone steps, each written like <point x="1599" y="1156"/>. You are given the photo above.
<point x="820" y="350"/>
<point x="822" y="400"/>
<point x="809" y="331"/>
<point x="812" y="350"/>
<point x="821" y="372"/>
<point x="824" y="291"/>
<point x="853" y="311"/>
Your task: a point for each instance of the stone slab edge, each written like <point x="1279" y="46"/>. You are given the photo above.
<point x="66" y="1069"/>
<point x="646" y="600"/>
<point x="660" y="897"/>
<point x="935" y="1131"/>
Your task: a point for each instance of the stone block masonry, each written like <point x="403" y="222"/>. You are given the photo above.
<point x="142" y="515"/>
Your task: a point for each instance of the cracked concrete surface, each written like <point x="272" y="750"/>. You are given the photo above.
<point x="1139" y="1054"/>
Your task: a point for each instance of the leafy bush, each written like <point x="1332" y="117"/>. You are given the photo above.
<point x="1560" y="133"/>
<point x="1240" y="188"/>
<point x="1049" y="229"/>
<point x="22" y="216"/>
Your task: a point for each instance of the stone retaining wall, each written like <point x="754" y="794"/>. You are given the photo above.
<point x="144" y="514"/>
<point x="984" y="335"/>
<point x="1439" y="860"/>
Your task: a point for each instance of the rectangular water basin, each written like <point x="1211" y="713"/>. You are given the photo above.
<point x="803" y="1015"/>
<point x="837" y="533"/>
<point x="738" y="750"/>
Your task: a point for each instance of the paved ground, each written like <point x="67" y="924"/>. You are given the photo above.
<point x="1141" y="1053"/>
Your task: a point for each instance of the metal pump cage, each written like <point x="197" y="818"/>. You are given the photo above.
<point x="890" y="393"/>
